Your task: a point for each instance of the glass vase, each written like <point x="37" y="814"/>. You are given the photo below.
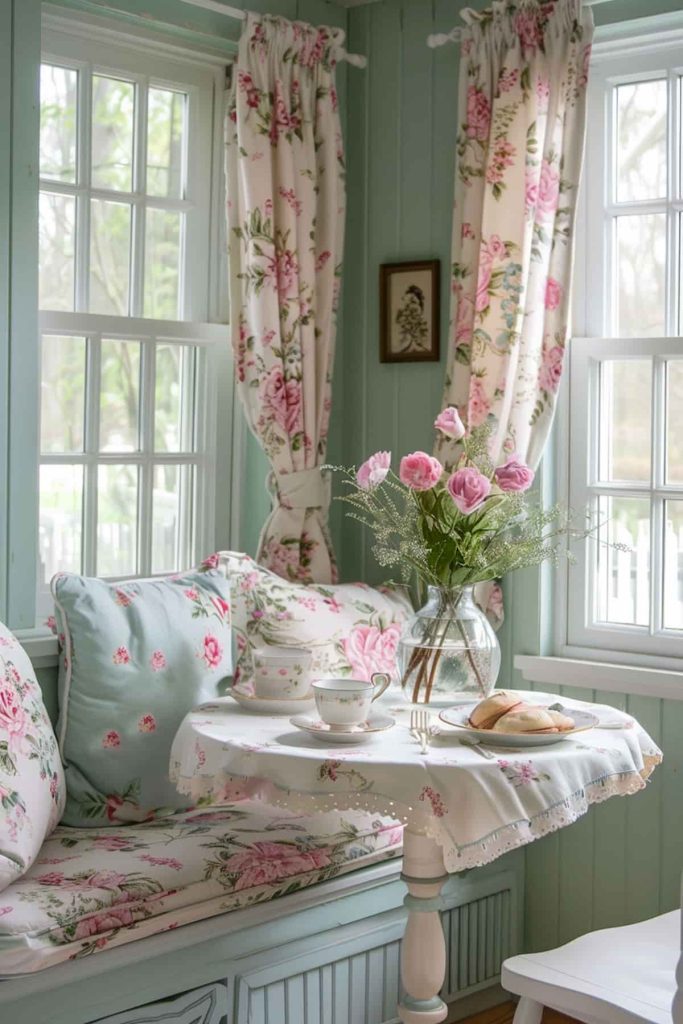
<point x="448" y="652"/>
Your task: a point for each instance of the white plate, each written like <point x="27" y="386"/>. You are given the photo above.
<point x="272" y="705"/>
<point x="314" y="726"/>
<point x="459" y="717"/>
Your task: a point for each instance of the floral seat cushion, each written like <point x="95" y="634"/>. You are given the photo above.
<point x="94" y="888"/>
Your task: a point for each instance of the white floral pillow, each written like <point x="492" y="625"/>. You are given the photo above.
<point x="351" y="628"/>
<point x="32" y="787"/>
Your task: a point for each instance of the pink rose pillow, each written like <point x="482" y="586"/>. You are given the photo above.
<point x="352" y="629"/>
<point x="32" y="789"/>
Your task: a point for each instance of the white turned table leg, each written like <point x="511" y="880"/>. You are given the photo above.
<point x="423" y="950"/>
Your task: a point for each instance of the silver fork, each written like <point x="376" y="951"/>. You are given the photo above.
<point x="420" y="729"/>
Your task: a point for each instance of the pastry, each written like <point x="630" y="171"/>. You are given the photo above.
<point x="529" y="719"/>
<point x="488" y="711"/>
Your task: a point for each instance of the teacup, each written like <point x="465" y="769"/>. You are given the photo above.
<point x="345" y="703"/>
<point x="282" y="672"/>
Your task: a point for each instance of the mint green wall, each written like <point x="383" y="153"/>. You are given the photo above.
<point x="622" y="861"/>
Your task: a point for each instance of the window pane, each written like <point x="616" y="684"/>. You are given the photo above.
<point x="173" y="412"/>
<point x="641" y="258"/>
<point x="119" y="396"/>
<point x="171" y="517"/>
<point x="62" y="394"/>
<point x="109" y="257"/>
<point x="58" y="92"/>
<point x="61" y="515"/>
<point x="641" y="140"/>
<point x="113" y="105"/>
<point x="625" y="385"/>
<point x="674" y="421"/>
<point x="57" y="220"/>
<point x="162" y="264"/>
<point x="624" y="575"/>
<point x="165" y="130"/>
<point x="673" y="565"/>
<point x="117" y="520"/>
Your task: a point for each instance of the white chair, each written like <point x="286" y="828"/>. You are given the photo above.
<point x="614" y="976"/>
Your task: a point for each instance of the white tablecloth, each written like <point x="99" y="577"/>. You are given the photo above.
<point x="475" y="808"/>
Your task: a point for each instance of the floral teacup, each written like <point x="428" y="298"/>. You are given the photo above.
<point x="282" y="672"/>
<point x="345" y="703"/>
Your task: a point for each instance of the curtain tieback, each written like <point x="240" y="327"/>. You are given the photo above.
<point x="307" y="488"/>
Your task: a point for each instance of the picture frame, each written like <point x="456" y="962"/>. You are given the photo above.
<point x="409" y="304"/>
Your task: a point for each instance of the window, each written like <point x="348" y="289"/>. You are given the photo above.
<point x="126" y="437"/>
<point x="626" y="376"/>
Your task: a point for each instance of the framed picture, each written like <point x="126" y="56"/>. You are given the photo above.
<point x="409" y="312"/>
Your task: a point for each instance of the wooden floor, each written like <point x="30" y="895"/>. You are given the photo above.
<point x="503" y="1015"/>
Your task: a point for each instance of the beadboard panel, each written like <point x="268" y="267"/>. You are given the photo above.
<point x="353" y="977"/>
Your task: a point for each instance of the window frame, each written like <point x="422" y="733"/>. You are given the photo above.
<point x="204" y="300"/>
<point x="574" y="454"/>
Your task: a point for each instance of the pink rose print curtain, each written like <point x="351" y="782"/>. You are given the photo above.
<point x="285" y="183"/>
<point x="523" y="77"/>
<point x="521" y="103"/>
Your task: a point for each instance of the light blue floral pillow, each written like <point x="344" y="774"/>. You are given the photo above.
<point x="137" y="656"/>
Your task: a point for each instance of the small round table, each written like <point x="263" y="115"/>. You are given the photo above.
<point x="463" y="806"/>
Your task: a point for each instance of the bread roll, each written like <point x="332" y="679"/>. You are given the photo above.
<point x="488" y="711"/>
<point x="526" y="719"/>
<point x="563" y="722"/>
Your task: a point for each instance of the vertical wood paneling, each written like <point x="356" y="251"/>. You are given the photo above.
<point x="672" y="796"/>
<point x="644" y="826"/>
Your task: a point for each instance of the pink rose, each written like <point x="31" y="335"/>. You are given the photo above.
<point x="420" y="471"/>
<point x="478" y="114"/>
<point x="213" y="652"/>
<point x="212" y="562"/>
<point x="514" y="475"/>
<point x="115" y="917"/>
<point x="370" y="649"/>
<point x="121" y="656"/>
<point x="496" y="247"/>
<point x="111" y="740"/>
<point x="468" y="488"/>
<point x="450" y="424"/>
<point x="553" y="293"/>
<point x="283" y="272"/>
<point x="373" y="471"/>
<point x="528" y="30"/>
<point x="548" y="191"/>
<point x="147" y="723"/>
<point x="157" y="661"/>
<point x="283" y="399"/>
<point x="550" y="372"/>
<point x="106" y="879"/>
<point x="221" y="606"/>
<point x="264" y="863"/>
<point x="479" y="405"/>
<point x="464" y="318"/>
<point x="12" y="715"/>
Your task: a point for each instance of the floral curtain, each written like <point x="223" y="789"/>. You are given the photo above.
<point x="285" y="183"/>
<point x="523" y="76"/>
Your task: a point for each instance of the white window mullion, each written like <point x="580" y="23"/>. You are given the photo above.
<point x="83" y="176"/>
<point x="92" y="448"/>
<point x="658" y="457"/>
<point x="137" y="261"/>
<point x="146" y="470"/>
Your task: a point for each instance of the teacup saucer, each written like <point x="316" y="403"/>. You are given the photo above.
<point x="330" y="734"/>
<point x="272" y="705"/>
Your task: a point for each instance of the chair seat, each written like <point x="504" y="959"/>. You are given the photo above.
<point x="617" y="975"/>
<point x="91" y="889"/>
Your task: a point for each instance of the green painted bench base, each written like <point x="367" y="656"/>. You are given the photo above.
<point x="326" y="955"/>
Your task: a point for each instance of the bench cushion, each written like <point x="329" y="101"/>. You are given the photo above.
<point x="91" y="889"/>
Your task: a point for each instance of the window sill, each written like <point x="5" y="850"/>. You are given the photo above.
<point x="595" y="675"/>
<point x="40" y="645"/>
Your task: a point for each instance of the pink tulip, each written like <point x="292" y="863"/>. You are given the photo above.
<point x="450" y="424"/>
<point x="514" y="475"/>
<point x="373" y="471"/>
<point x="420" y="471"/>
<point x="468" y="488"/>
